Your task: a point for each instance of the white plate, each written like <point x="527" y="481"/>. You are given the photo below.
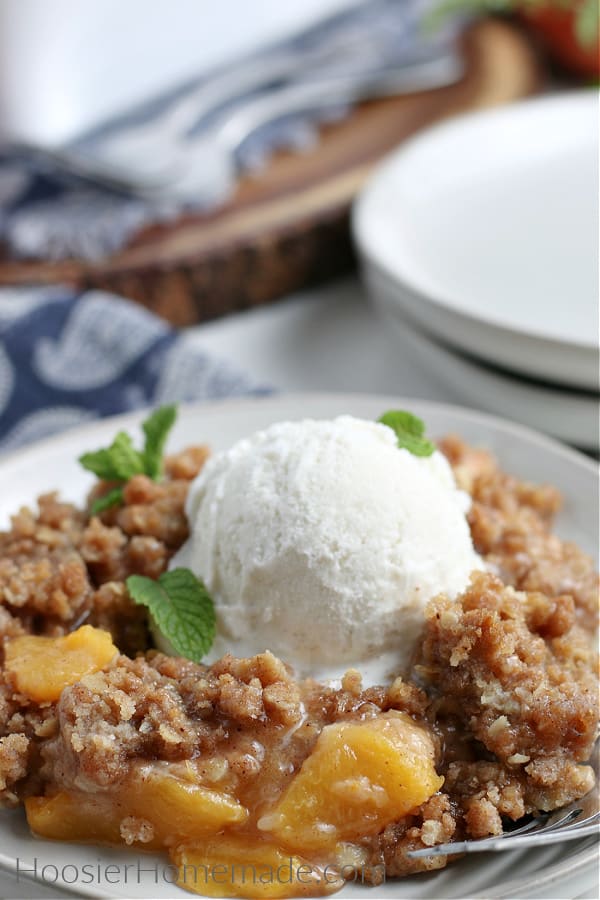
<point x="569" y="415"/>
<point x="566" y="870"/>
<point x="488" y="225"/>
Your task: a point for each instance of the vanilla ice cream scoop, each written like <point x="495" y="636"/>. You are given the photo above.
<point x="323" y="541"/>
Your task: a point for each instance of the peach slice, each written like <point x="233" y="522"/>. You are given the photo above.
<point x="168" y="808"/>
<point x="41" y="667"/>
<point x="242" y="866"/>
<point x="76" y="817"/>
<point x="360" y="777"/>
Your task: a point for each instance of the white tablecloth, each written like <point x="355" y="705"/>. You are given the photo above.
<point x="329" y="339"/>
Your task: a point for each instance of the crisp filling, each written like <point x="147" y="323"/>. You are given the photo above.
<point x="240" y="764"/>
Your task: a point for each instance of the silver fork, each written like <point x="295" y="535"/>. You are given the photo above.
<point x="137" y="149"/>
<point x="203" y="168"/>
<point x="578" y="820"/>
<point x="207" y="167"/>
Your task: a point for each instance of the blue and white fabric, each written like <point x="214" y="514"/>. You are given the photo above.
<point x="68" y="358"/>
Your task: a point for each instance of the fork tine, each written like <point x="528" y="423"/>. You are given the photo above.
<point x="567" y="818"/>
<point x="533" y="825"/>
<point x="546" y="828"/>
<point x="589" y="820"/>
<point x="535" y="838"/>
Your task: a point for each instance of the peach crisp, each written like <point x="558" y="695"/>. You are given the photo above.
<point x="240" y="766"/>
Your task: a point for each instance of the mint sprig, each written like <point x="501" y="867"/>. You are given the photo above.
<point x="106" y="501"/>
<point x="409" y="431"/>
<point x="181" y="608"/>
<point x="121" y="461"/>
<point x="157" y="429"/>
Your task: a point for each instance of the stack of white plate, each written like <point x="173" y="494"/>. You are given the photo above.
<point x="479" y="240"/>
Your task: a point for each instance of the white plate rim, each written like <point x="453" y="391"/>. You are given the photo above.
<point x="133" y="419"/>
<point x="581" y="861"/>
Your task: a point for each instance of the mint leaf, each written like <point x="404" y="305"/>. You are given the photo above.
<point x="106" y="501"/>
<point x="157" y="429"/>
<point x="403" y="420"/>
<point x="100" y="463"/>
<point x="127" y="461"/>
<point x="119" y="462"/>
<point x="181" y="607"/>
<point x="409" y="430"/>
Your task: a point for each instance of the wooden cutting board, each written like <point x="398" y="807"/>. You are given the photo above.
<point x="289" y="227"/>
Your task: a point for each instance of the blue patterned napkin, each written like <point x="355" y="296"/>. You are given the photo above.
<point x="48" y="214"/>
<point x="67" y="358"/>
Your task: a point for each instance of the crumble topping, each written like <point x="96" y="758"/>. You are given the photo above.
<point x="511" y="523"/>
